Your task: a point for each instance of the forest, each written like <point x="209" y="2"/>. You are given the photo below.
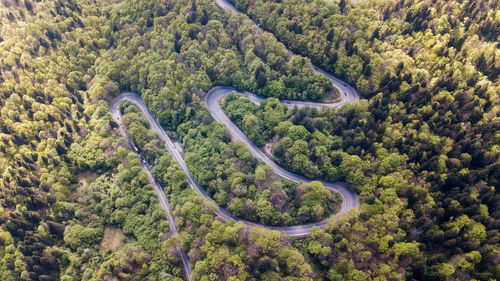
<point x="421" y="148"/>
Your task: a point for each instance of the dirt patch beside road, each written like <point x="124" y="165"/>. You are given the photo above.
<point x="268" y="147"/>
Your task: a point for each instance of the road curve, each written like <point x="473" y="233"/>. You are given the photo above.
<point x="349" y="196"/>
<point x="347" y="93"/>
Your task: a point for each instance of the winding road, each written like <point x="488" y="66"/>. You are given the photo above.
<point x="349" y="197"/>
<point x="212" y="99"/>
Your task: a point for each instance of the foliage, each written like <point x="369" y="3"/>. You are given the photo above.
<point x="422" y="151"/>
<point x="423" y="146"/>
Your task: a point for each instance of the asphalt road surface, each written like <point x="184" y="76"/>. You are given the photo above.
<point x="115" y="112"/>
<point x="349" y="196"/>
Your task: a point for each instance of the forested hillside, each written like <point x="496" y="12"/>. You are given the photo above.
<point x="428" y="135"/>
<point x="75" y="204"/>
<point x="422" y="148"/>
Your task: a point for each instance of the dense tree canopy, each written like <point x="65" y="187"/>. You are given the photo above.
<point x="422" y="149"/>
<point x="428" y="134"/>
